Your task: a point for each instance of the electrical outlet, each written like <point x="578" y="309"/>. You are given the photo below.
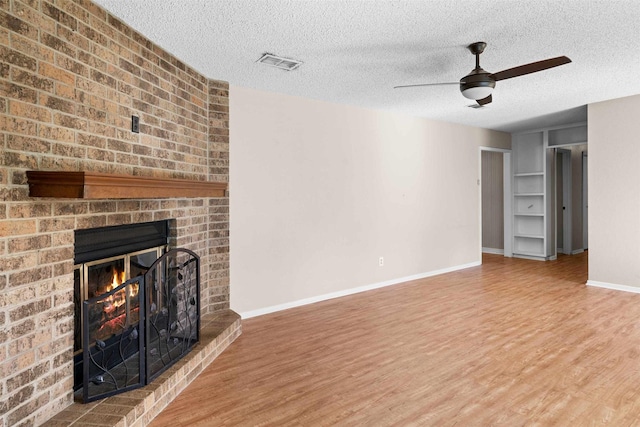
<point x="135" y="124"/>
<point x="381" y="261"/>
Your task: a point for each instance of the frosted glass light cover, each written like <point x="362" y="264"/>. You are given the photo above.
<point x="478" y="92"/>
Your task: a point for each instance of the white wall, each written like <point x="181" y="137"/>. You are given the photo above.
<point x="320" y="191"/>
<point x="614" y="196"/>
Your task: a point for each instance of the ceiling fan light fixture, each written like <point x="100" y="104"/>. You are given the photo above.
<point x="478" y="84"/>
<point x="476" y="92"/>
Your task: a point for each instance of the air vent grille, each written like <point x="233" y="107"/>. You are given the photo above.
<point x="286" y="64"/>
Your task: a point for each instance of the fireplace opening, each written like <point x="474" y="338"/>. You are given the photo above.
<point x="96" y="278"/>
<point x="137" y="307"/>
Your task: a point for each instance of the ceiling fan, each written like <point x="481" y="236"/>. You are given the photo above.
<point x="479" y="84"/>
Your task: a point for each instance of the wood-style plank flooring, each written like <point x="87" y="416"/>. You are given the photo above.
<point x="512" y="342"/>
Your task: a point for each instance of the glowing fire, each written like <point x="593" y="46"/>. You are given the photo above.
<point x="114" y="307"/>
<point x="119" y="298"/>
<point x="117" y="280"/>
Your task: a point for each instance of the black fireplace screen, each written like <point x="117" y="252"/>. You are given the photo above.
<point x="112" y="341"/>
<point x="134" y="332"/>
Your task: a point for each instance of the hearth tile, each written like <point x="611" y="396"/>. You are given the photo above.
<point x="120" y="409"/>
<point x="68" y="415"/>
<point x="140" y="410"/>
<point x="149" y="401"/>
<point x="117" y="408"/>
<point x="124" y="399"/>
<point x="97" y="419"/>
<point x="140" y="394"/>
<point x="53" y="422"/>
<point x="194" y="373"/>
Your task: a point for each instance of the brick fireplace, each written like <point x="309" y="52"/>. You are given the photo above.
<point x="72" y="77"/>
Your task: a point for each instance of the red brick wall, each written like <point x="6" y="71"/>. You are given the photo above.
<point x="71" y="77"/>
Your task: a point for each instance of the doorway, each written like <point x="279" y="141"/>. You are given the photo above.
<point x="495" y="201"/>
<point x="585" y="202"/>
<point x="570" y="199"/>
<point x="563" y="201"/>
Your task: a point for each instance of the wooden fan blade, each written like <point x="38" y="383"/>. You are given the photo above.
<point x="427" y="84"/>
<point x="534" y="67"/>
<point x="484" y="101"/>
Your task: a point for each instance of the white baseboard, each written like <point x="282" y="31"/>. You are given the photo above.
<point x="614" y="286"/>
<point x="338" y="294"/>
<point x="573" y="252"/>
<point x="493" y="251"/>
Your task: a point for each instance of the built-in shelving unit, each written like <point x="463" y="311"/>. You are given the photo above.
<point x="529" y="204"/>
<point x="533" y="203"/>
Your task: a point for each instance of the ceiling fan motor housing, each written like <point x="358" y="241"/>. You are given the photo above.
<point x="478" y="84"/>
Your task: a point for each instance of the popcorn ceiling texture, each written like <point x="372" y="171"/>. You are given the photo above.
<point x="356" y="51"/>
<point x="72" y="76"/>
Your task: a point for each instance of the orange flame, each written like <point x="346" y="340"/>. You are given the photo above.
<point x="117" y="280"/>
<point x="133" y="290"/>
<point x="118" y="299"/>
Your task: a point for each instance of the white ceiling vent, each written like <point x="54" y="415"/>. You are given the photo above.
<point x="279" y="62"/>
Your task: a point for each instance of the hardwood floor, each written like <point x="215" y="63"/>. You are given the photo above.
<point x="512" y="342"/>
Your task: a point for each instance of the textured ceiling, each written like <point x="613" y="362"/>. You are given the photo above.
<point x="355" y="51"/>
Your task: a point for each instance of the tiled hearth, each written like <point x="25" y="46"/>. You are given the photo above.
<point x="137" y="408"/>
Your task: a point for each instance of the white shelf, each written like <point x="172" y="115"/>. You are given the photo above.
<point x="529" y="174"/>
<point x="528" y="194"/>
<point x="571" y="135"/>
<point x="528" y="214"/>
<point x="531" y="254"/>
<point x="530" y="236"/>
<point x="568" y="144"/>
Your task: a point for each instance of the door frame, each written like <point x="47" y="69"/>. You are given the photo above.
<point x="507" y="197"/>
<point x="567" y="225"/>
<point x="585" y="201"/>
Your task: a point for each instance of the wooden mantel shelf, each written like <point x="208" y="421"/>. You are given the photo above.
<point x="91" y="185"/>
